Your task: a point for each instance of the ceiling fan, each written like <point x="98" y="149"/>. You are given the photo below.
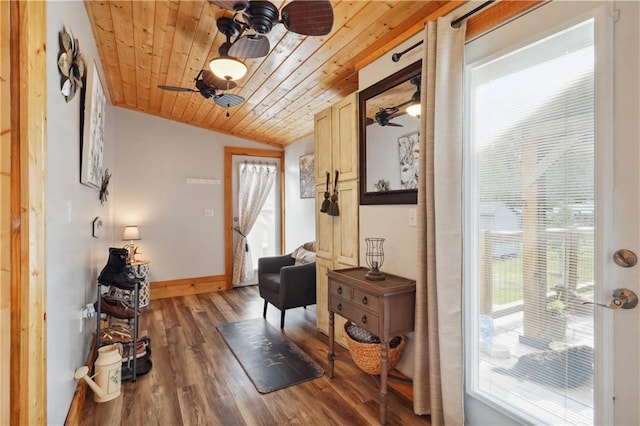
<point x="384" y="115"/>
<point x="306" y="17"/>
<point x="210" y="87"/>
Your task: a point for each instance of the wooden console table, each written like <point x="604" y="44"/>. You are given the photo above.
<point x="385" y="308"/>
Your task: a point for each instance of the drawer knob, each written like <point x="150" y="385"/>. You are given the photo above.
<point x="364" y="319"/>
<point x="339" y="290"/>
<point x="364" y="300"/>
<point x="339" y="306"/>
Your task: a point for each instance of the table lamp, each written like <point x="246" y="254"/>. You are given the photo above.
<point x="131" y="233"/>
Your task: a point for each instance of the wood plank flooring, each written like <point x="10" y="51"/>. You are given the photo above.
<point x="196" y="380"/>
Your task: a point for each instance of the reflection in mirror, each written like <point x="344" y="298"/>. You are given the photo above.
<point x="389" y="139"/>
<point x="394" y="152"/>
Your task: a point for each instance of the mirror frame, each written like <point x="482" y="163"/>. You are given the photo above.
<point x="401" y="196"/>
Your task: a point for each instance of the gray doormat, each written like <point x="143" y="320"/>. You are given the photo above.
<point x="270" y="360"/>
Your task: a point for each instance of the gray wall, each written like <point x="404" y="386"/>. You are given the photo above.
<point x="153" y="159"/>
<point x="74" y="257"/>
<point x="300" y="216"/>
<point x="150" y="159"/>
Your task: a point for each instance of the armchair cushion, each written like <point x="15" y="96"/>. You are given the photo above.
<point x="270" y="281"/>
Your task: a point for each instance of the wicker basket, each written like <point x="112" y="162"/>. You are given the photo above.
<point x="367" y="355"/>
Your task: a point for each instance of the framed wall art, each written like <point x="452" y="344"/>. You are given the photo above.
<point x="307" y="176"/>
<point x="95" y="104"/>
<point x="409" y="151"/>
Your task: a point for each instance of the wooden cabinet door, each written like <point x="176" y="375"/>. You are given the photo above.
<point x="345" y="138"/>
<point x="322" y="300"/>
<point x="346" y="226"/>
<point x="324" y="227"/>
<point x="322" y="138"/>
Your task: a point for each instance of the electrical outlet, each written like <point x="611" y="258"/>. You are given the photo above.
<point x="208" y="212"/>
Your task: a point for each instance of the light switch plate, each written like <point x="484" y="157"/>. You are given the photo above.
<point x="413" y="221"/>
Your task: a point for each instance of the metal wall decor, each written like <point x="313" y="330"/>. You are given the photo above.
<point x="104" y="187"/>
<point x="71" y="65"/>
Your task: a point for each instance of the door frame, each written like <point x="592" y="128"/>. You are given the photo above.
<point x="23" y="216"/>
<point x="229" y="152"/>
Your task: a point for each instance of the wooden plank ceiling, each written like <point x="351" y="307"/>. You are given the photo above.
<point x="146" y="43"/>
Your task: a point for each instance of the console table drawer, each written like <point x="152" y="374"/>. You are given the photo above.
<point x="366" y="300"/>
<point x="340" y="290"/>
<point x="357" y="315"/>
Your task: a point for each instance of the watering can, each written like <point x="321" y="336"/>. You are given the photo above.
<point x="107" y="373"/>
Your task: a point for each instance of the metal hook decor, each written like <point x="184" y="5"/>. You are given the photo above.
<point x="325" y="204"/>
<point x="333" y="206"/>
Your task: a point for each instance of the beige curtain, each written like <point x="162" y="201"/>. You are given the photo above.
<point x="256" y="182"/>
<point x="438" y="361"/>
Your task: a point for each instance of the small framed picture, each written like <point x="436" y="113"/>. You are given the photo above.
<point x="307" y="176"/>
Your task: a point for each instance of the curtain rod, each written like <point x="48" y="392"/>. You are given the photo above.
<point x="259" y="163"/>
<point x="455" y="24"/>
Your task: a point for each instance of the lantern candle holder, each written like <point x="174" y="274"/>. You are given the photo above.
<point x="375" y="258"/>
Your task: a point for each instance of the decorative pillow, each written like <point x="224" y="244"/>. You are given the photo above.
<point x="303" y="256"/>
<point x="311" y="246"/>
<point x="361" y="335"/>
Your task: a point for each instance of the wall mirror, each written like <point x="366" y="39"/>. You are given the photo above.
<point x="389" y="138"/>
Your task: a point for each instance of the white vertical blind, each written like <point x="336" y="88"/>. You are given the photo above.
<point x="532" y="190"/>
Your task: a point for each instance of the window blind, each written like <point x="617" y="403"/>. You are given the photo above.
<point x="533" y="219"/>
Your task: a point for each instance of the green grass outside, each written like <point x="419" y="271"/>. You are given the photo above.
<point x="507" y="273"/>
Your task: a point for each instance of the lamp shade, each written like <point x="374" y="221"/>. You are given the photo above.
<point x="131" y="233"/>
<point x="228" y="68"/>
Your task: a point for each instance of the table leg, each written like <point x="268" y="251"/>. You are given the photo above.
<point x="331" y="355"/>
<point x="384" y="349"/>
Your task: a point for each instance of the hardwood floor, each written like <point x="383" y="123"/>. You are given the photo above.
<point x="196" y="379"/>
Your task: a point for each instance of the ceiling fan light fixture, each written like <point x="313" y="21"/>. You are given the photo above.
<point x="228" y="68"/>
<point x="414" y="110"/>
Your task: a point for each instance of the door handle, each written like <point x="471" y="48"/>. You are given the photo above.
<point x="620" y="298"/>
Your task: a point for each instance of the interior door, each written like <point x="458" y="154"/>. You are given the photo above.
<point x="510" y="231"/>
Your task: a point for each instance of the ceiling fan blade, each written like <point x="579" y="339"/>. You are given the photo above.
<point x="231" y="5"/>
<point x="176" y="89"/>
<point x="228" y="100"/>
<point x="313" y="18"/>
<point x="250" y="46"/>
<point x="219" y="83"/>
